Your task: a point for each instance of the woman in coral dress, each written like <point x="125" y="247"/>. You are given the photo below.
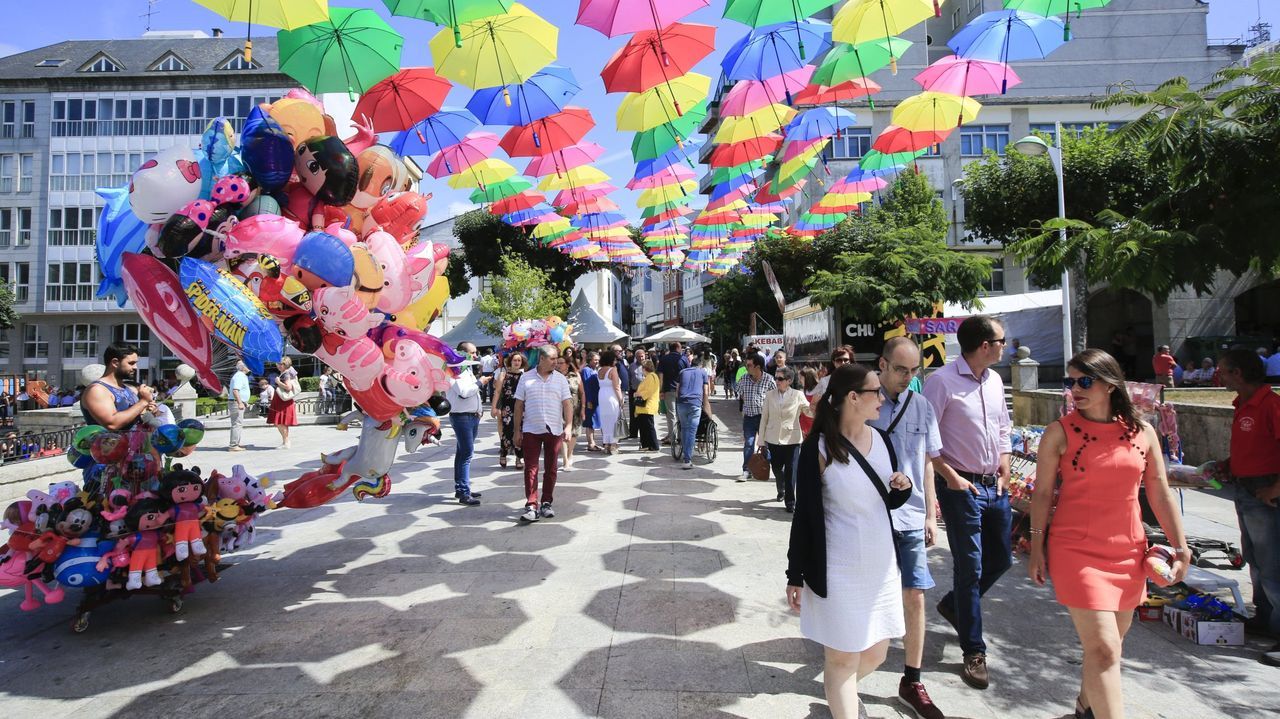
<point x="1101" y="452"/>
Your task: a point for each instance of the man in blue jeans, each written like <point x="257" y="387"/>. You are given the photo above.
<point x="972" y="481"/>
<point x="752" y="388"/>
<point x="464" y="415"/>
<point x="693" y="398"/>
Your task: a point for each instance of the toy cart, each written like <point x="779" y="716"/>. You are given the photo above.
<point x="171" y="591"/>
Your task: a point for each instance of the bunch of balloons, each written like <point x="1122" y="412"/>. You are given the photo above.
<point x="528" y="335"/>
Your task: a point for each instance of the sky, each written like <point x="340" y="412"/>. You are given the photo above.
<point x="584" y="50"/>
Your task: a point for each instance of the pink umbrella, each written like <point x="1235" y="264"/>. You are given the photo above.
<point x="618" y="17"/>
<point x="476" y="146"/>
<point x="567" y="158"/>
<point x="586" y="192"/>
<point x="669" y="176"/>
<point x="796" y="147"/>
<point x="750" y="95"/>
<point x="965" y="77"/>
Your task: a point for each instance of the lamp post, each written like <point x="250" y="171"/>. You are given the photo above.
<point x="1034" y="146"/>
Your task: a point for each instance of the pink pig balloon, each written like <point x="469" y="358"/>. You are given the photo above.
<point x="340" y="311"/>
<point x="155" y="290"/>
<point x="359" y="361"/>
<point x="264" y="235"/>
<point x="399" y="287"/>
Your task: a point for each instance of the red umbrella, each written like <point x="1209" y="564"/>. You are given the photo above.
<point x="583" y="153"/>
<point x="672" y="214"/>
<point x="403" y="99"/>
<point x="766" y="193"/>
<point x="653" y="57"/>
<point x="899" y="139"/>
<point x="591" y="205"/>
<point x="551" y="133"/>
<point x="848" y="90"/>
<point x="579" y="194"/>
<point x="521" y="201"/>
<point x="734" y="154"/>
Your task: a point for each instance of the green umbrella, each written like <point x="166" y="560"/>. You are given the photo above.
<point x="498" y="190"/>
<point x="451" y="13"/>
<point x="876" y="160"/>
<point x="724" y="174"/>
<point x="771" y="12"/>
<point x="848" y="62"/>
<point x="657" y="141"/>
<point x="350" y="52"/>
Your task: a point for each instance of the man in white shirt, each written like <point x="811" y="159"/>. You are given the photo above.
<point x="488" y="367"/>
<point x="237" y="399"/>
<point x="326" y="391"/>
<point x="543" y="419"/>
<point x="464" y="416"/>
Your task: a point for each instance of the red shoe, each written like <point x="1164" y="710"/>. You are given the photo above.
<point x="914" y="695"/>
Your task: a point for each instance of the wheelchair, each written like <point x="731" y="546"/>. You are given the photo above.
<point x="706" y="441"/>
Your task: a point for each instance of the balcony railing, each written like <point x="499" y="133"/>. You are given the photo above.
<point x="24" y="447"/>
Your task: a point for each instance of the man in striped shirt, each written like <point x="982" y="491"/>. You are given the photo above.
<point x="752" y="388"/>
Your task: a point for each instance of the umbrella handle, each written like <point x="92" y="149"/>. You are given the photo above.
<point x="457" y="36"/>
<point x="790" y="102"/>
<point x="937" y="8"/>
<point x="893" y="65"/>
<point x="1066" y="29"/>
<point x="537" y="141"/>
<point x="248" y="51"/>
<point x="506" y="96"/>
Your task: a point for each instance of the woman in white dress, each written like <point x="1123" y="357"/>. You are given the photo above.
<point x="610" y="400"/>
<point x="842" y="570"/>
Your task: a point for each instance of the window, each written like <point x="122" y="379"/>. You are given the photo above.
<point x="101" y="63"/>
<point x="974" y="4"/>
<point x="80" y="341"/>
<point x="8" y="118"/>
<point x="996" y="283"/>
<point x="955" y="19"/>
<point x="28" y="118"/>
<point x="6" y="227"/>
<point x="133" y="334"/>
<point x="8" y="172"/>
<point x="850" y="144"/>
<point x="52" y="62"/>
<point x="26" y="166"/>
<point x="72" y="226"/>
<point x="168" y="63"/>
<point x="34" y="346"/>
<point x="236" y="61"/>
<point x="975" y="139"/>
<point x="20" y="281"/>
<point x="648" y="281"/>
<point x="4" y="344"/>
<point x="25" y="226"/>
<point x="1075" y="128"/>
<point x="71" y="282"/>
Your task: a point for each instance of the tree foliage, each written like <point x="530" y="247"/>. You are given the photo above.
<point x="485" y="240"/>
<point x="8" y="315"/>
<point x="737" y="295"/>
<point x="519" y="291"/>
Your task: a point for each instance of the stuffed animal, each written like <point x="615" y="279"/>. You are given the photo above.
<point x="145" y="518"/>
<point x="186" y="490"/>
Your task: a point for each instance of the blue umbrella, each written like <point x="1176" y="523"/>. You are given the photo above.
<point x="670" y="158"/>
<point x="543" y="94"/>
<point x="447" y="127"/>
<point x="819" y="122"/>
<point x="516" y="218"/>
<point x="1006" y="35"/>
<point x="729" y="187"/>
<point x="597" y="220"/>
<point x="774" y="49"/>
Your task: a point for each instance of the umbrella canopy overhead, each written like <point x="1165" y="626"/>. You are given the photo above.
<point x="662" y="103"/>
<point x="774" y="49"/>
<point x="545" y="93"/>
<point x="654" y="57"/>
<point x="450" y="13"/>
<point x="548" y="134"/>
<point x="399" y="101"/>
<point x="285" y="14"/>
<point x="677" y="334"/>
<point x="350" y="51"/>
<point x="619" y="17"/>
<point x="446" y="127"/>
<point x="496" y="50"/>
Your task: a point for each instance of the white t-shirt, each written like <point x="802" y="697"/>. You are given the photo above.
<point x="325" y="380"/>
<point x="543" y="398"/>
<point x="488" y="364"/>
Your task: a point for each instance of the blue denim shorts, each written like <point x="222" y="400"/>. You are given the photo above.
<point x="912" y="559"/>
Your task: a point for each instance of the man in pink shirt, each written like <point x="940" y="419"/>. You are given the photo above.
<point x="973" y="478"/>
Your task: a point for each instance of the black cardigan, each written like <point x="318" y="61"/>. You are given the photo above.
<point x="807" y="554"/>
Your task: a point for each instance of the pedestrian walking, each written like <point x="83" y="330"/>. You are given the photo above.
<point x="1253" y="466"/>
<point x="237" y="401"/>
<point x="504" y="406"/>
<point x="909" y="421"/>
<point x="808" y="381"/>
<point x="973" y="420"/>
<point x="488" y="367"/>
<point x="325" y="384"/>
<point x="752" y="388"/>
<point x="842" y="355"/>
<point x="729" y="371"/>
<point x="591" y="398"/>
<point x="693" y="400"/>
<point x="1101" y="453"/>
<point x="566" y="366"/>
<point x="543" y="419"/>
<point x="464" y="416"/>
<point x="1163" y="364"/>
<point x="623" y="368"/>
<point x="648" y="395"/>
<point x="669" y="367"/>
<point x="841" y="572"/>
<point x="636" y="374"/>
<point x="780" y="432"/>
<point x="611" y="398"/>
<point x="282" y="412"/>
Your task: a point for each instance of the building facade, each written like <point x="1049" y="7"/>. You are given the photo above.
<point x="80" y="115"/>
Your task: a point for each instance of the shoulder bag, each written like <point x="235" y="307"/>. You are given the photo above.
<point x="289" y="391"/>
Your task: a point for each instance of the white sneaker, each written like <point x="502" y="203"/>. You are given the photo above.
<point x="746" y="476"/>
<point x="687" y="465"/>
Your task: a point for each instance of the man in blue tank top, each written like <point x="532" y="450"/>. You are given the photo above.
<point x="107" y="402"/>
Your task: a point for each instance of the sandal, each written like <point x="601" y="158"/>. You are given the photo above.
<point x="1081" y="711"/>
<point x="502" y="462"/>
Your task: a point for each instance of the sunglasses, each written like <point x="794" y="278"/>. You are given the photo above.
<point x="1085" y="382"/>
<point x="997" y="341"/>
<point x="782" y="378"/>
<point x="840" y="360"/>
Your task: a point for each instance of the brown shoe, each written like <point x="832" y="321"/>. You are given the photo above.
<point x="975" y="671"/>
<point x="913" y="695"/>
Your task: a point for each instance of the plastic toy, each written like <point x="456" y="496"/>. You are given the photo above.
<point x="186" y="490"/>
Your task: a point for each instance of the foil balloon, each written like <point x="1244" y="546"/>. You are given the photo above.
<point x="433" y="345"/>
<point x="119" y="231"/>
<point x="359" y="361"/>
<point x="155" y="290"/>
<point x="232" y="313"/>
<point x="266" y="150"/>
<point x="217" y="147"/>
<point x="322" y="260"/>
<point x="263" y="235"/>
<point x="398" y="214"/>
<point x="423" y="312"/>
<point x="165" y="184"/>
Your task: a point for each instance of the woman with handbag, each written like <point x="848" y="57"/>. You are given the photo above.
<point x="842" y="570"/>
<point x="648" y="396"/>
<point x="1101" y="452"/>
<point x="780" y="431"/>
<point x="568" y="366"/>
<point x="282" y="412"/>
<point x="504" y="406"/>
<point x="610" y="400"/>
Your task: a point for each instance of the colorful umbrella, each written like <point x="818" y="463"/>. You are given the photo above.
<point x="543" y="94"/>
<point x="517" y="203"/>
<point x="499" y="190"/>
<point x="876" y="160"/>
<point x="770" y="12"/>
<point x="474" y="147"/>
<point x="654" y="57"/>
<point x="847" y="90"/>
<point x="677" y="173"/>
<point x="935" y="111"/>
<point x="819" y="122"/>
<point x="563" y="159"/>
<point x="485" y="172"/>
<point x="447" y="127"/>
<point x="576" y="177"/>
<point x="750" y="95"/>
<point x="748" y="150"/>
<point x="956" y="75"/>
<point x="666" y="137"/>
<point x="856" y="62"/>
<point x="898" y="139"/>
<point x="399" y="101"/>
<point x="619" y="17"/>
<point x="496" y="50"/>
<point x="1004" y="35"/>
<point x="755" y="124"/>
<point x="879" y="19"/>
<point x="662" y="103"/>
<point x="545" y="135"/>
<point x="1056" y="7"/>
<point x="451" y="13"/>
<point x="349" y="52"/>
<point x="774" y="49"/>
<point x="286" y="14"/>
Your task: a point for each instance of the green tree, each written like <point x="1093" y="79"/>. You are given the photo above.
<point x="485" y="240"/>
<point x="8" y="315"/>
<point x="519" y="291"/>
<point x="739" y="294"/>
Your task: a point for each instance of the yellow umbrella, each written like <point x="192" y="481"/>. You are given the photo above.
<point x="497" y="50"/>
<point x="660" y="104"/>
<point x="931" y="111"/>
<point x="867" y="20"/>
<point x="666" y="193"/>
<point x="754" y="124"/>
<point x="484" y="172"/>
<point x="284" y="14"/>
<point x="546" y="229"/>
<point x="835" y="199"/>
<point x="573" y="177"/>
<point x="803" y="159"/>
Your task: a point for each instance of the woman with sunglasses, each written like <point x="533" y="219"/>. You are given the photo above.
<point x="1100" y="453"/>
<point x="842" y="569"/>
<point x="780" y="431"/>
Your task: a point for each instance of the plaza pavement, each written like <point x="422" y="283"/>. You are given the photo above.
<point x="654" y="593"/>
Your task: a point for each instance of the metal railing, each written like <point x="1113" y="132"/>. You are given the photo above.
<point x="35" y="445"/>
<point x="311" y="406"/>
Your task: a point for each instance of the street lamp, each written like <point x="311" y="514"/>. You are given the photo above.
<point x="1034" y="146"/>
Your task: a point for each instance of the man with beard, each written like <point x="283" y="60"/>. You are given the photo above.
<point x="108" y="402"/>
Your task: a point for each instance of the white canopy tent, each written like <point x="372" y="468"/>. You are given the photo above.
<point x="676" y="334"/>
<point x="1033" y="318"/>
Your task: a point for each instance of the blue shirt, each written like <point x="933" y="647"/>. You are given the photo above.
<point x="670" y="366"/>
<point x="239" y="381"/>
<point x="915" y="439"/>
<point x="692" y="383"/>
<point x="590" y="386"/>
